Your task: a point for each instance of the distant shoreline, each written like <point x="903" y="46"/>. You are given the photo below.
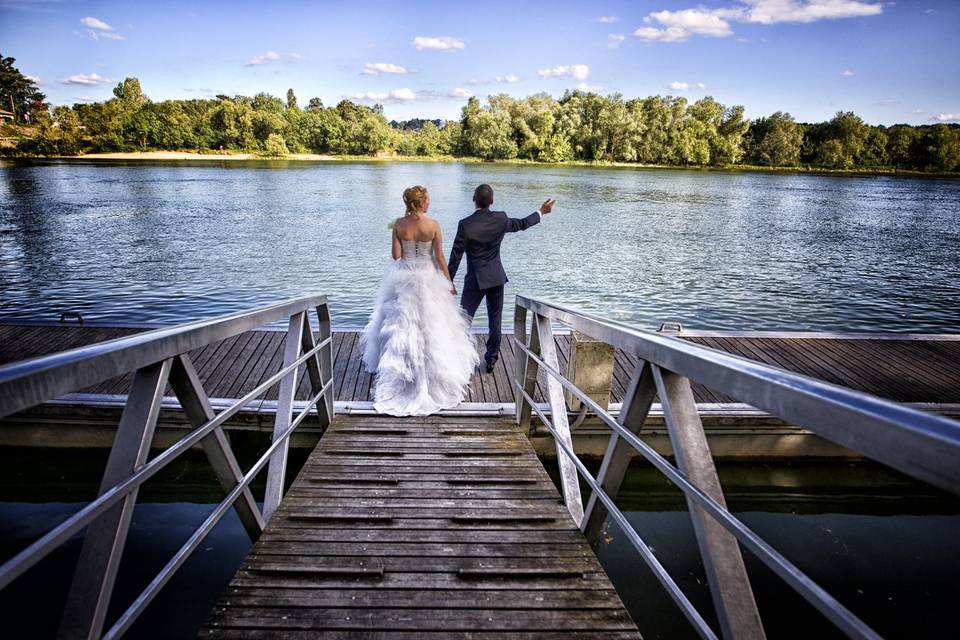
<point x="173" y="156"/>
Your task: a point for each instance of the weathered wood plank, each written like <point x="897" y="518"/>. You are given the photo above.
<point x="424" y="529"/>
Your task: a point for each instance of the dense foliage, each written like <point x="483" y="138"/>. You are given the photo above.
<point x="19" y="94"/>
<point x="661" y="130"/>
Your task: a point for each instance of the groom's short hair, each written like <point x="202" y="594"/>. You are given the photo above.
<point x="483" y="196"/>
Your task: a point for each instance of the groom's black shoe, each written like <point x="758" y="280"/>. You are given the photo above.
<point x="490" y="366"/>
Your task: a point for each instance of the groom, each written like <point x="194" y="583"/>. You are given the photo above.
<point x="480" y="235"/>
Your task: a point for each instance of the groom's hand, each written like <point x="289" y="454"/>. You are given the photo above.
<point x="547" y="207"/>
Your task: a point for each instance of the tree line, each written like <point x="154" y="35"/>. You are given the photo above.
<point x="657" y="130"/>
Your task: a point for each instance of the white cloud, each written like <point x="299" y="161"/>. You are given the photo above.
<point x="680" y="26"/>
<point x="106" y="35"/>
<point x="774" y="11"/>
<point x="35" y="80"/>
<point x="443" y="43"/>
<point x="917" y="112"/>
<point x="95" y="23"/>
<point x="376" y="68"/>
<point x="607" y="19"/>
<point x="97" y="29"/>
<point x="576" y="71"/>
<point x="406" y="96"/>
<point x="395" y="96"/>
<point x="673" y="34"/>
<point x="686" y="86"/>
<point x="84" y="79"/>
<point x="296" y="56"/>
<point x="848" y="73"/>
<point x="510" y="78"/>
<point x="269" y="56"/>
<point x="84" y="98"/>
<point x="946" y="117"/>
<point x="614" y="40"/>
<point x="584" y="86"/>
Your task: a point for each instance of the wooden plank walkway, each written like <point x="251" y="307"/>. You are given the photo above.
<point x="421" y="528"/>
<point x="904" y="369"/>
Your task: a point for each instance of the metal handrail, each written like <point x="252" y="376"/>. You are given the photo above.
<point x="662" y="356"/>
<point x="157" y="356"/>
<point x="27" y="383"/>
<point x="922" y="445"/>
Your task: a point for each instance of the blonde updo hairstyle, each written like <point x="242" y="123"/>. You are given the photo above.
<point x="414" y="198"/>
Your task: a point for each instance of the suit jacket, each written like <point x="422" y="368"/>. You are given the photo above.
<point x="479" y="236"/>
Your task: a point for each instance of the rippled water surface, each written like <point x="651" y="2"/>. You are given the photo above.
<point x="169" y="242"/>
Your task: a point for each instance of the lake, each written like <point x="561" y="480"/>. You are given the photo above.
<point x="883" y="544"/>
<point x="167" y="242"/>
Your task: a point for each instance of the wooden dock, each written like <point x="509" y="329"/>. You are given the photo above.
<point x="419" y="528"/>
<point x="923" y="370"/>
<point x="449" y="526"/>
<point x="903" y="368"/>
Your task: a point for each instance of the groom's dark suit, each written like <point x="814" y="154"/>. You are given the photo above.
<point x="479" y="236"/>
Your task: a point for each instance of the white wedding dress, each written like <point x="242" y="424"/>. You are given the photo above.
<point x="418" y="339"/>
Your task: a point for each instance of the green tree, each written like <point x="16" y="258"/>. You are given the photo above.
<point x="486" y="133"/>
<point x="901" y="140"/>
<point x="941" y="147"/>
<point x="231" y="123"/>
<point x="315" y="104"/>
<point x="875" y="149"/>
<point x="846" y="137"/>
<point x="275" y="146"/>
<point x="291" y="100"/>
<point x="130" y="94"/>
<point x="19" y="94"/>
<point x="775" y="141"/>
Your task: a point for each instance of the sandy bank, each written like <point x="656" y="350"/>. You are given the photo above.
<point x="187" y="155"/>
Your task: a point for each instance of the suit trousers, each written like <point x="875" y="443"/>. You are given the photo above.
<point x="470" y="301"/>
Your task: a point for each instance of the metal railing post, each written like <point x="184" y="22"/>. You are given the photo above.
<point x="326" y="357"/>
<point x="96" y="572"/>
<point x="558" y="415"/>
<point x="313" y="372"/>
<point x="637" y="401"/>
<point x="277" y="470"/>
<point x="528" y="377"/>
<point x="186" y="385"/>
<point x="719" y="549"/>
<point x="520" y="370"/>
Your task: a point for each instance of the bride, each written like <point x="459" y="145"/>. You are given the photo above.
<point x="418" y="340"/>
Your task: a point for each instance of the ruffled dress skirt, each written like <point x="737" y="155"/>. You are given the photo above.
<point x="418" y="342"/>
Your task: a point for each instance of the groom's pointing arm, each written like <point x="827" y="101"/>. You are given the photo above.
<point x="521" y="224"/>
<point x="456" y="251"/>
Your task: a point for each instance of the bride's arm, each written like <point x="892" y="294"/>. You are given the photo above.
<point x="438" y="254"/>
<point x="397" y="248"/>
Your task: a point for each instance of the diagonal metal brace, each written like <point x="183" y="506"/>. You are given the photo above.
<point x="189" y="391"/>
<point x="89" y="598"/>
<point x="729" y="584"/>
<point x="637" y="400"/>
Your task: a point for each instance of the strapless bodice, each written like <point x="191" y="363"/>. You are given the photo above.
<point x="416" y="250"/>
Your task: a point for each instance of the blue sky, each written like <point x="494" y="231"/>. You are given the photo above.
<point x="887" y="61"/>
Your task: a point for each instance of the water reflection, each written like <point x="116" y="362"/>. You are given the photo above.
<point x="716" y="250"/>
